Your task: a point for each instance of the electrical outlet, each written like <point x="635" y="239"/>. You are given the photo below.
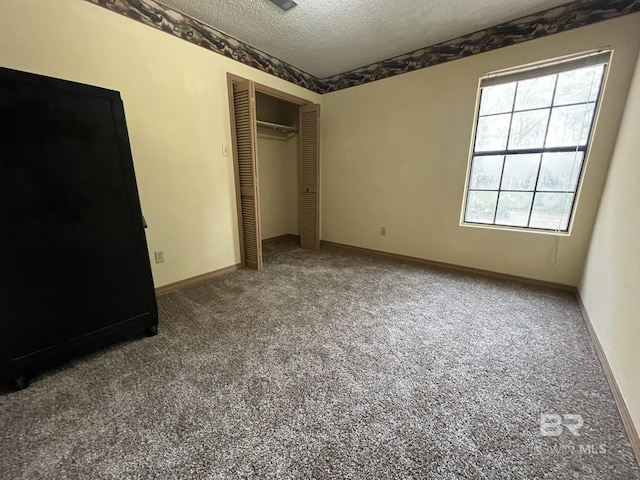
<point x="383" y="231"/>
<point x="159" y="256"/>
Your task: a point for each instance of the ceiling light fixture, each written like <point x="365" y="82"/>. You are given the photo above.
<point x="284" y="4"/>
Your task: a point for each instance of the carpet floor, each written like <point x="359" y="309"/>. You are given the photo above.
<point x="331" y="365"/>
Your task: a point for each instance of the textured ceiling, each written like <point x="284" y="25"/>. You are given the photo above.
<point x="325" y="37"/>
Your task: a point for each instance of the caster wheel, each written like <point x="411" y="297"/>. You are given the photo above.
<point x="151" y="331"/>
<point x="21" y="383"/>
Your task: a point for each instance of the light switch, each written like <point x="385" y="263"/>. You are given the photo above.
<point x="225" y="149"/>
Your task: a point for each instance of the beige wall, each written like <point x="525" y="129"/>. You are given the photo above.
<point x="610" y="285"/>
<point x="395" y="153"/>
<point x="175" y="98"/>
<point x="278" y="182"/>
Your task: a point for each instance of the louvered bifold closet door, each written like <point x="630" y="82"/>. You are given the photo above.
<point x="309" y="130"/>
<point x="244" y="105"/>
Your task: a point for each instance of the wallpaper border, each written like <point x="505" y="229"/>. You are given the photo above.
<point x="555" y="20"/>
<point x="549" y="22"/>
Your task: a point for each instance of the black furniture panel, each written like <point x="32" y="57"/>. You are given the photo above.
<point x="74" y="267"/>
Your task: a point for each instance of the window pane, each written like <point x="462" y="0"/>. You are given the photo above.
<point x="520" y="172"/>
<point x="560" y="171"/>
<point x="518" y="176"/>
<point x="578" y="86"/>
<point x="480" y="207"/>
<point x="485" y="172"/>
<point x="551" y="211"/>
<point x="570" y="125"/>
<point x="498" y="99"/>
<point x="535" y="93"/>
<point x="492" y="133"/>
<point x="513" y="208"/>
<point x="528" y="129"/>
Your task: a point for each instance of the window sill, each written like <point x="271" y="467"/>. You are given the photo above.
<point x="505" y="228"/>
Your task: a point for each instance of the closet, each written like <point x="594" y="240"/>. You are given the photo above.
<point x="276" y="158"/>
<point x="278" y="169"/>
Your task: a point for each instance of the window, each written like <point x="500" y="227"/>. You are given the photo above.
<point x="532" y="131"/>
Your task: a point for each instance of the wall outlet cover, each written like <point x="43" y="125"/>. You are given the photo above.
<point x="159" y="254"/>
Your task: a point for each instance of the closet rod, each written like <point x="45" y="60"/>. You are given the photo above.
<point x="276" y="126"/>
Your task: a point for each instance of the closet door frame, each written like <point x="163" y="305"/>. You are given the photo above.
<point x="272" y="92"/>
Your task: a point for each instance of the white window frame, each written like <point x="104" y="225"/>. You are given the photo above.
<point x="539" y="69"/>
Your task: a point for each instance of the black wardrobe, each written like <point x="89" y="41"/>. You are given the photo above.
<point x="74" y="266"/>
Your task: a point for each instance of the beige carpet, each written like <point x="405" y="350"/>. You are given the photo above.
<point x="330" y="365"/>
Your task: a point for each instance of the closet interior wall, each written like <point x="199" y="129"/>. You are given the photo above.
<point x="278" y="167"/>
